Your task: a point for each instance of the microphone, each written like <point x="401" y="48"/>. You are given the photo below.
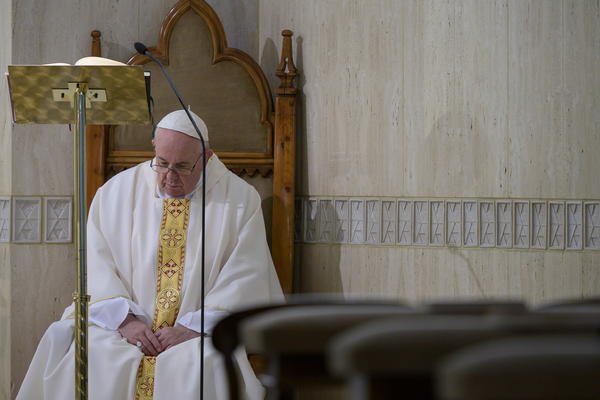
<point x="143" y="50"/>
<point x="140" y="48"/>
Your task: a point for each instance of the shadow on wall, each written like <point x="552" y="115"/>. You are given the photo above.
<point x="464" y="153"/>
<point x="316" y="266"/>
<point x="269" y="59"/>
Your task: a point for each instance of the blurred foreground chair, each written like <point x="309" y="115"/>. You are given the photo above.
<point x="396" y="358"/>
<point x="590" y="305"/>
<point x="393" y="358"/>
<point x="475" y="307"/>
<point x="524" y="368"/>
<point x="294" y="340"/>
<point x="226" y="334"/>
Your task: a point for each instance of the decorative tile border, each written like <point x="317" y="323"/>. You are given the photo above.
<point x="388" y="221"/>
<point x="4" y="219"/>
<point x="58" y="224"/>
<point x="454" y="223"/>
<point x="23" y="219"/>
<point x="483" y="223"/>
<point x="539" y="224"/>
<point x="405" y="222"/>
<point x="592" y="225"/>
<point x="522" y="224"/>
<point x="27" y="219"/>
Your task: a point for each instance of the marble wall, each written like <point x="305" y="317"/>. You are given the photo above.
<point x="5" y="190"/>
<point x="494" y="100"/>
<point x="36" y="32"/>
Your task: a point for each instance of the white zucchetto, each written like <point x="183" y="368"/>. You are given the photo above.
<point x="179" y="121"/>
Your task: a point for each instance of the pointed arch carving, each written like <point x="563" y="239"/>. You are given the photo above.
<point x="219" y="45"/>
<point x="276" y="161"/>
<point x="242" y="161"/>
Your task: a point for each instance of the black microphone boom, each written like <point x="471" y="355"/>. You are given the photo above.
<point x="142" y="49"/>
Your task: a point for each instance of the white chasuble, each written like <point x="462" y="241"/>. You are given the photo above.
<point x="131" y="257"/>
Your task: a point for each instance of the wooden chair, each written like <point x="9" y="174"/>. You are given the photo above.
<point x="524" y="368"/>
<point x="293" y="340"/>
<point x="475" y="307"/>
<point x="381" y="359"/>
<point x="251" y="133"/>
<point x="571" y="306"/>
<point x="393" y="358"/>
<point x="226" y="334"/>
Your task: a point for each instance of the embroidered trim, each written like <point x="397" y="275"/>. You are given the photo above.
<point x="171" y="260"/>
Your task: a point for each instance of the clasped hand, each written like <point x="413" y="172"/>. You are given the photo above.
<point x="134" y="330"/>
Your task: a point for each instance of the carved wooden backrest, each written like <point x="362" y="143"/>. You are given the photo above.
<point x="252" y="135"/>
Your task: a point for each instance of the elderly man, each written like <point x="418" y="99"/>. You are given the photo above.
<point x="144" y="258"/>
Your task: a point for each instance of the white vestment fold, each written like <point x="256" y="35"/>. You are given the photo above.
<point x="123" y="228"/>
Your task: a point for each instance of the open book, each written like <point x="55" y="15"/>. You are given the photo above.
<point x="92" y="61"/>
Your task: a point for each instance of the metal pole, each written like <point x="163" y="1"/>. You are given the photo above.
<point x="80" y="297"/>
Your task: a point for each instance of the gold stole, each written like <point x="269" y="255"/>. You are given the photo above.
<point x="171" y="259"/>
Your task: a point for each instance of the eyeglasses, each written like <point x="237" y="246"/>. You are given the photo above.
<point x="163" y="169"/>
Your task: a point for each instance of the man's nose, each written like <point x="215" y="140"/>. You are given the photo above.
<point x="172" y="175"/>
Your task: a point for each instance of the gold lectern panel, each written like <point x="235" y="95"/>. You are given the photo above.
<point x="32" y="97"/>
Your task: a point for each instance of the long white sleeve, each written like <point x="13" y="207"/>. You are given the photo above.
<point x="192" y="320"/>
<point x="110" y="313"/>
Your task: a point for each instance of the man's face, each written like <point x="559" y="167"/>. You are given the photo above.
<point x="180" y="151"/>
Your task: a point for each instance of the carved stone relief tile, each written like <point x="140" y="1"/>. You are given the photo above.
<point x="310" y="220"/>
<point x="388" y="221"/>
<point x="58" y="226"/>
<point x="556" y="225"/>
<point x="487" y="224"/>
<point x="4" y="219"/>
<point x="521" y="225"/>
<point x="437" y="223"/>
<point x="574" y="225"/>
<point x="298" y="221"/>
<point x="27" y="219"/>
<point x="592" y="225"/>
<point x="342" y="221"/>
<point x="470" y="223"/>
<point x="539" y="218"/>
<point x="421" y="225"/>
<point x="453" y="223"/>
<point x="405" y="222"/>
<point x="373" y="225"/>
<point x="326" y="220"/>
<point x="357" y="221"/>
<point x="504" y="220"/>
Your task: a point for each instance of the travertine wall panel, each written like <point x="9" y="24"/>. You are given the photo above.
<point x="240" y="21"/>
<point x="591" y="274"/>
<point x="535" y="92"/>
<point x="45" y="161"/>
<point x="497" y="100"/>
<point x="5" y="113"/>
<point x="5" y="315"/>
<point x="42" y="289"/>
<point x="581" y="72"/>
<point x="443" y="273"/>
<point x="5" y="189"/>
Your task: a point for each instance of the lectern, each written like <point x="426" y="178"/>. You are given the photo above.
<point x="79" y="95"/>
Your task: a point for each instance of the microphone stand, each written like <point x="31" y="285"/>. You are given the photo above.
<point x="142" y="49"/>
